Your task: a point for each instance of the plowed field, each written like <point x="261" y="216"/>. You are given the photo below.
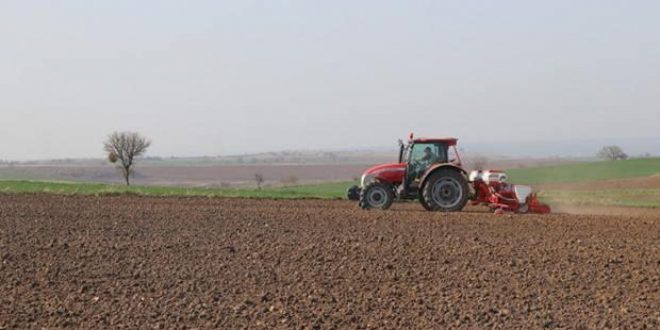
<point x="136" y="262"/>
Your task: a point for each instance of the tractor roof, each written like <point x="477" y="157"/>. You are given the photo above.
<point x="449" y="141"/>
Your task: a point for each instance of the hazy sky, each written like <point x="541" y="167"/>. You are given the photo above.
<point x="227" y="77"/>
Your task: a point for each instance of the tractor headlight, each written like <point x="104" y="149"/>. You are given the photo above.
<point x="365" y="180"/>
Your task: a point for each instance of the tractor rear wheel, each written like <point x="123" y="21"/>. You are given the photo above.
<point x="376" y="195"/>
<point x="445" y="190"/>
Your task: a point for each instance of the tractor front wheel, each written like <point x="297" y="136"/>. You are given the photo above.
<point x="376" y="195"/>
<point x="445" y="190"/>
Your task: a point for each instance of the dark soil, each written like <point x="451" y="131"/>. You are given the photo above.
<point x="133" y="262"/>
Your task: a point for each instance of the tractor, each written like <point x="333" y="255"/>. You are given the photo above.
<point x="431" y="171"/>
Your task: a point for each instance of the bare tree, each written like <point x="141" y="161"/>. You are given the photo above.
<point x="612" y="153"/>
<point x="124" y="147"/>
<point x="259" y="179"/>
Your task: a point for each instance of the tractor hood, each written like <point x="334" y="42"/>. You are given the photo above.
<point x="386" y="167"/>
<point x="390" y="173"/>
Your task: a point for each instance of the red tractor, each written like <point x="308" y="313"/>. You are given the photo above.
<point x="430" y="171"/>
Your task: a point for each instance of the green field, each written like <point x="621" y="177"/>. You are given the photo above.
<point x="322" y="191"/>
<point x="607" y="197"/>
<point x="613" y="197"/>
<point x="591" y="171"/>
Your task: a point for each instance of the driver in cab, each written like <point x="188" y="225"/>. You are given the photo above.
<point x="429" y="157"/>
<point x="425" y="161"/>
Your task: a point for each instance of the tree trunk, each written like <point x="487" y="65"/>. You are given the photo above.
<point x="127" y="174"/>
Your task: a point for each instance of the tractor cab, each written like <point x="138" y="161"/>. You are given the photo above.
<point x="421" y="154"/>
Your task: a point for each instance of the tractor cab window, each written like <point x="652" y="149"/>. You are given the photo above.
<point x="428" y="153"/>
<point x="423" y="155"/>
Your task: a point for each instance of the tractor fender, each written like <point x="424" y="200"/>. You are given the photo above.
<point x="433" y="168"/>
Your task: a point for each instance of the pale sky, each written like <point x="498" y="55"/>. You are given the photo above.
<point x="230" y="77"/>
